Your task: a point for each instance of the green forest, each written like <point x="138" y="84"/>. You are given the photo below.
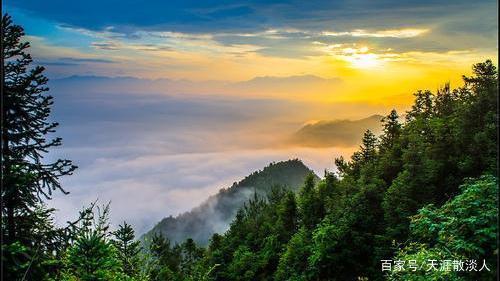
<point x="424" y="192"/>
<point x="219" y="210"/>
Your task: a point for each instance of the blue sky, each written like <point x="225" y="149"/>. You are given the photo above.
<point x="91" y="29"/>
<point x="213" y="16"/>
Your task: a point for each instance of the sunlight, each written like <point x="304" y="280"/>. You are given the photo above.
<point x="364" y="60"/>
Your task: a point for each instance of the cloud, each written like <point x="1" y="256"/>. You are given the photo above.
<point x="224" y="15"/>
<point x="274" y="20"/>
<point x="157" y="185"/>
<point x="83" y="60"/>
<point x="393" y="33"/>
<point x="72" y="61"/>
<point x="111" y="46"/>
<point x="268" y="39"/>
<point x="172" y="152"/>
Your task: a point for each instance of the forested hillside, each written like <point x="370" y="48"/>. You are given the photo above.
<point x="424" y="191"/>
<point x="215" y="214"/>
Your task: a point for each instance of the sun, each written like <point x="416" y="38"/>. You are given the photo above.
<point x="364" y="61"/>
<point x="360" y="57"/>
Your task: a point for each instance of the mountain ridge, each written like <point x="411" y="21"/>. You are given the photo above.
<point x="326" y="133"/>
<point x="215" y="214"/>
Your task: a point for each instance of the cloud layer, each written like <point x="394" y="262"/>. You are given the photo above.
<point x="153" y="154"/>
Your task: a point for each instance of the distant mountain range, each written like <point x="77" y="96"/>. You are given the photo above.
<point x="296" y="80"/>
<point x="337" y="132"/>
<point x="215" y="214"/>
<point x="303" y="84"/>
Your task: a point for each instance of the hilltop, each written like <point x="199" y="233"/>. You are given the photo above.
<point x="215" y="214"/>
<point x="336" y="132"/>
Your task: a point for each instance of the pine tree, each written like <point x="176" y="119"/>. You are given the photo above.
<point x="392" y="130"/>
<point x="423" y="106"/>
<point x="27" y="178"/>
<point x="390" y="149"/>
<point x="287" y="216"/>
<point x="368" y="147"/>
<point x="190" y="255"/>
<point x="92" y="258"/>
<point x="25" y="125"/>
<point x="167" y="259"/>
<point x="128" y="248"/>
<point x="311" y="207"/>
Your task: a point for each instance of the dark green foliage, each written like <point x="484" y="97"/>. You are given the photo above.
<point x="293" y="262"/>
<point x="459" y="225"/>
<point x="390" y="148"/>
<point x="311" y="206"/>
<point x="166" y="259"/>
<point x="25" y="125"/>
<point x="287" y="213"/>
<point x="355" y="222"/>
<point x="128" y="249"/>
<point x="345" y="226"/>
<point x="464" y="228"/>
<point x="448" y="137"/>
<point x="214" y="215"/>
<point x="251" y="248"/>
<point x="31" y="245"/>
<point x="92" y="256"/>
<point x="191" y="255"/>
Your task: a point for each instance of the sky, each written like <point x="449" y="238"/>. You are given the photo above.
<point x="162" y="103"/>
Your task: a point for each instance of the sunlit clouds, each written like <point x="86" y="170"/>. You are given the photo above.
<point x="206" y="57"/>
<point x="392" y="33"/>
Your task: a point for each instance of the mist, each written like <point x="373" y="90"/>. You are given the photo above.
<point x="153" y="155"/>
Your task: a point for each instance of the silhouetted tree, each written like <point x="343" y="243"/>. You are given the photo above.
<point x="27" y="178"/>
<point x="25" y="125"/>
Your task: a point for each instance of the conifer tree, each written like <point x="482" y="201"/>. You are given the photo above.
<point x="25" y="125"/>
<point x="31" y="243"/>
<point x="92" y="256"/>
<point x="190" y="255"/>
<point x="392" y="130"/>
<point x="368" y="146"/>
<point x="167" y="259"/>
<point x="287" y="215"/>
<point x="390" y="149"/>
<point x="310" y="207"/>
<point x="128" y="248"/>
